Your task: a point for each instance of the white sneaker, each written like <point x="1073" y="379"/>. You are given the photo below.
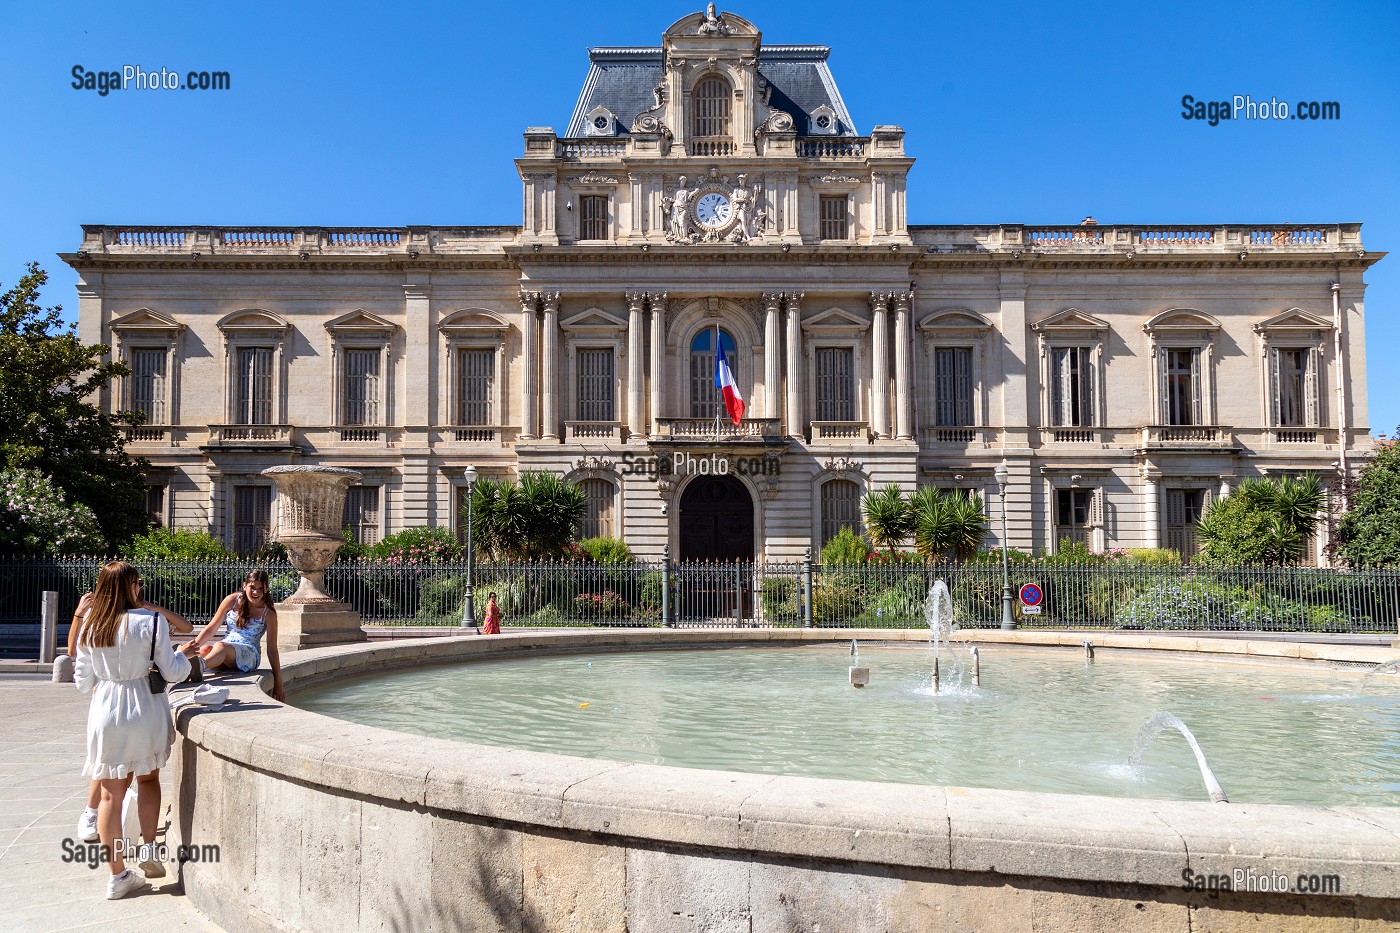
<point x="119" y="886"/>
<point x="152" y="869"/>
<point x="87" y="826"/>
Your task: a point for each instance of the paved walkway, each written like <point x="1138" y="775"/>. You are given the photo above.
<point x="41" y="753"/>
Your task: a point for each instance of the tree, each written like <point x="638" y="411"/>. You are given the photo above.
<point x="35" y="518"/>
<point x="888" y="520"/>
<point x="48" y="419"/>
<point x="1264" y="521"/>
<point x="946" y="525"/>
<point x="534" y="519"/>
<point x="1369" y="533"/>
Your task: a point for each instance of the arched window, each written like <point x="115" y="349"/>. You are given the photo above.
<point x="598" y="519"/>
<point x="705" y="400"/>
<point x="840" y="508"/>
<point x="709" y="109"/>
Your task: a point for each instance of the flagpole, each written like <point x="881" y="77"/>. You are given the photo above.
<point x="717" y="385"/>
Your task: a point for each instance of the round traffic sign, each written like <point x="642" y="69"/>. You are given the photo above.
<point x="1031" y="594"/>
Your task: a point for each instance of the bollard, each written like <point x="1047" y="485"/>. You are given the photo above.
<point x="860" y="676"/>
<point x="48" y="628"/>
<point x="976" y="668"/>
<point x="62" y="669"/>
<point x="807" y="589"/>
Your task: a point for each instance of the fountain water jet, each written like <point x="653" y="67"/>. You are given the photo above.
<point x="1387" y="667"/>
<point x="1155" y="724"/>
<point x="860" y="676"/>
<point x="938" y="612"/>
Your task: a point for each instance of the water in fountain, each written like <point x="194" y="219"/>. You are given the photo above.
<point x="938" y="612"/>
<point x="1388" y="667"/>
<point x="1155" y="724"/>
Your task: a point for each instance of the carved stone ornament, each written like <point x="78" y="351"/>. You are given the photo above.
<point x="842" y="466"/>
<point x="834" y="179"/>
<point x="666" y="487"/>
<point x="593" y="180"/>
<point x="309" y="510"/>
<point x="593" y="465"/>
<point x="712" y="23"/>
<point x="714" y="211"/>
<point x="769" y="489"/>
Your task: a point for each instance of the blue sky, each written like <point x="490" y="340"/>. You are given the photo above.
<point x="388" y="114"/>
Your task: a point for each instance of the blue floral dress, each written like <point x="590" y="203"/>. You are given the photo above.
<point x="246" y="642"/>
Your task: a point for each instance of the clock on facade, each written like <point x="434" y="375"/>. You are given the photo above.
<point x="712" y="210"/>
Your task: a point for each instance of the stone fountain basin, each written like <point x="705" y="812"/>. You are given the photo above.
<point x="326" y="824"/>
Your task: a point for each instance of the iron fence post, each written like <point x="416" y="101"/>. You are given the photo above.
<point x="807" y="588"/>
<point x="666" y="620"/>
<point x="738" y="595"/>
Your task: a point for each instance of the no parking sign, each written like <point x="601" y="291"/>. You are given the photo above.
<point x="1031" y="597"/>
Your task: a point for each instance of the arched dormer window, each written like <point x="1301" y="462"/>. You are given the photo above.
<point x="710" y="105"/>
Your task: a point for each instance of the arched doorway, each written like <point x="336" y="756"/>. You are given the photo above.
<point x="716" y="520"/>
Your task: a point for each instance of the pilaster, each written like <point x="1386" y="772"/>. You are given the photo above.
<point x="796" y="424"/>
<point x="636" y="426"/>
<point x="657" y="301"/>
<point x="550" y="420"/>
<point x="529" y="383"/>
<point x="772" y="359"/>
<point x="880" y="365"/>
<point x="903" y="367"/>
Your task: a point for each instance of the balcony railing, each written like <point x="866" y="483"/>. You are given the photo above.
<point x="1067" y="435"/>
<point x="712" y="147"/>
<point x="956" y="436"/>
<point x="249" y="434"/>
<point x="155" y="434"/>
<point x="832" y="147"/>
<point x="590" y="150"/>
<point x="1187" y="435"/>
<point x="593" y="430"/>
<point x="705" y="429"/>
<point x="840" y="432"/>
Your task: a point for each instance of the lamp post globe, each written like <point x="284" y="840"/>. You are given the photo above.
<point x="1003" y="476"/>
<point x="468" y="608"/>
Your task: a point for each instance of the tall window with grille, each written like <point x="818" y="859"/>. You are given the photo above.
<point x="595" y="384"/>
<point x="710" y="107"/>
<point x="476" y="373"/>
<point x="148" y="383"/>
<point x="836" y="384"/>
<point x="1181" y="386"/>
<point x="155" y="503"/>
<point x="598" y="517"/>
<point x="253" y="391"/>
<point x="1295" y="372"/>
<point x="1184" y="510"/>
<point x="1071" y="387"/>
<point x="360" y="387"/>
<point x="252" y="517"/>
<point x="840" y="505"/>
<point x="952" y="386"/>
<point x="835" y="217"/>
<point x="362" y="513"/>
<point x="705" y="400"/>
<point x="1075" y="512"/>
<point x="593" y="217"/>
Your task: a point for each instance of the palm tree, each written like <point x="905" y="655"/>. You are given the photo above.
<point x="946" y="525"/>
<point x="888" y="520"/>
<point x="535" y="518"/>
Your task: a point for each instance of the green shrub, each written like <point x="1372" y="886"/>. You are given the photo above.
<point x="37" y="518"/>
<point x="846" y="548"/>
<point x="607" y="551"/>
<point x="1153" y="557"/>
<point x="780" y="598"/>
<point x="175" y="544"/>
<point x="653" y="595"/>
<point x="419" y="545"/>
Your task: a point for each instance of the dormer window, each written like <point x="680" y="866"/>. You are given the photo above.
<point x="710" y="106"/>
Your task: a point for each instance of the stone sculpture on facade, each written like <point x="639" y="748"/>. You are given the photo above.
<point x="743" y="200"/>
<point x="678" y="204"/>
<point x="713" y="23"/>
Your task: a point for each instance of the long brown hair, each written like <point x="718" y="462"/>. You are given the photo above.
<point x="111" y="599"/>
<point x="254" y="576"/>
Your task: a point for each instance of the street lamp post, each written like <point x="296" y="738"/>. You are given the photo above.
<point x="1003" y="476"/>
<point x="468" y="609"/>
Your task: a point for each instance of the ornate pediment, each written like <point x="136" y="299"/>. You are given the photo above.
<point x="1181" y="319"/>
<point x="594" y="319"/>
<point x="835" y="319"/>
<point x="1070" y="319"/>
<point x="361" y="323"/>
<point x="1294" y="319"/>
<point x="147" y="321"/>
<point x="955" y="319"/>
<point x="254" y="321"/>
<point x="473" y="322"/>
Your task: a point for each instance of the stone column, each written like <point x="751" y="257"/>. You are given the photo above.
<point x="549" y="427"/>
<point x="880" y="368"/>
<point x="772" y="359"/>
<point x="903" y="366"/>
<point x="658" y="359"/>
<point x="1152" y="505"/>
<point x="529" y="385"/>
<point x="636" y="301"/>
<point x="796" y="425"/>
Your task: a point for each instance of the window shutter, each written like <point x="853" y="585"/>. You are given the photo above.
<point x="826" y="401"/>
<point x="1311" y="380"/>
<point x="1096" y="508"/>
<point x="1057" y="388"/>
<point x="595" y="385"/>
<point x="1197" y="403"/>
<point x="1275" y="387"/>
<point x="475" y="373"/>
<point x="964" y="385"/>
<point x="1164" y="403"/>
<point x="1086" y="370"/>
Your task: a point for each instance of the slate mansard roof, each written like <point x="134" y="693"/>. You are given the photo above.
<point x="621" y="79"/>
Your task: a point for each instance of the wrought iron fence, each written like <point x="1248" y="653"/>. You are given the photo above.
<point x="1115" y="595"/>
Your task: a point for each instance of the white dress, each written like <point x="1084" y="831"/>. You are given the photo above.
<point x="129" y="728"/>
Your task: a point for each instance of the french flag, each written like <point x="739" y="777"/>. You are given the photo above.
<point x="724" y="381"/>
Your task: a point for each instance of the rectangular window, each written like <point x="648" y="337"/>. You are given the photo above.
<point x="952" y="381"/>
<point x="1071" y="387"/>
<point x="1073" y="515"/>
<point x="361" y="387"/>
<point x="1295" y="387"/>
<point x="593" y="217"/>
<point x="595" y="385"/>
<point x="253" y="392"/>
<point x="155" y="504"/>
<point x="836" y="384"/>
<point x="840" y="508"/>
<point x="476" y="371"/>
<point x="835" y="217"/>
<point x="598" y="518"/>
<point x="1181" y="397"/>
<point x="1184" y="509"/>
<point x="148" y="383"/>
<point x="362" y="513"/>
<point x="252" y="517"/>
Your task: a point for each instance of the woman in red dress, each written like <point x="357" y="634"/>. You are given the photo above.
<point x="493" y="616"/>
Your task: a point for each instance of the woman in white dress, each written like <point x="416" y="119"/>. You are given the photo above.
<point x="129" y="728"/>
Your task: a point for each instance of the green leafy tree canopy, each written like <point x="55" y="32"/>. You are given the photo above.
<point x="1369" y="533"/>
<point x="1264" y="521"/>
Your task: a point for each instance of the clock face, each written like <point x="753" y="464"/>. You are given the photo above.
<point x="712" y="210"/>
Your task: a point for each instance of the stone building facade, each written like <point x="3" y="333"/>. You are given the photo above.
<point x="1125" y="374"/>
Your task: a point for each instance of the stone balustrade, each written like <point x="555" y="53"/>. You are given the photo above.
<point x="840" y="432"/>
<point x="705" y="428"/>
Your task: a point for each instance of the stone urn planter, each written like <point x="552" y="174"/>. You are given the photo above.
<point x="308" y="512"/>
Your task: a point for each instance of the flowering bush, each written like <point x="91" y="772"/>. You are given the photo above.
<point x="600" y="605"/>
<point x="412" y="546"/>
<point x="35" y="518"/>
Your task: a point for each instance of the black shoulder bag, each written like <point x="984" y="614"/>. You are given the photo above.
<point x="154" y="677"/>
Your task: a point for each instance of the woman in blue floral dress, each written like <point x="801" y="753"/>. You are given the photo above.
<point x="246" y="616"/>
